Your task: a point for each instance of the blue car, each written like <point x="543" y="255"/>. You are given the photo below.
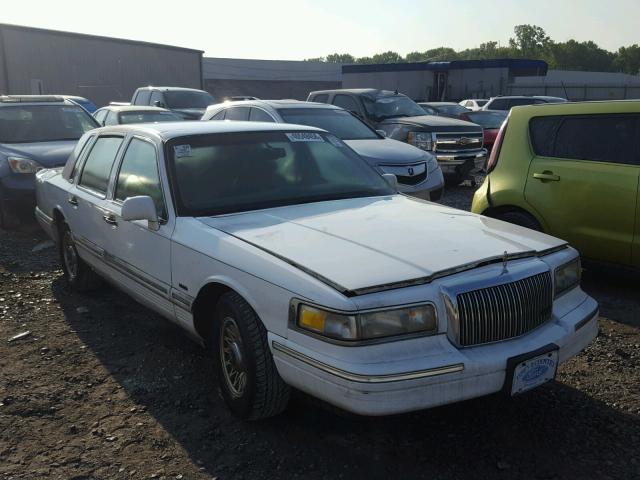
<point x="35" y="132"/>
<point x="85" y="103"/>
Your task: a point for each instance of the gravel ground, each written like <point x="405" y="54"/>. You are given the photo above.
<point x="102" y="388"/>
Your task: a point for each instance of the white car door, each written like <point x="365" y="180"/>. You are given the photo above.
<point x="140" y="254"/>
<point x="87" y="199"/>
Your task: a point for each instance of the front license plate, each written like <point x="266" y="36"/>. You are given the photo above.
<point x="534" y="371"/>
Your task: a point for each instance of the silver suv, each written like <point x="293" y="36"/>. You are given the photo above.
<point x="417" y="171"/>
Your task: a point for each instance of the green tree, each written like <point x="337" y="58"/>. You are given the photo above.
<point x="628" y="59"/>
<point x="388" y="57"/>
<point x="530" y="41"/>
<point x="574" y="55"/>
<point x="439" y="54"/>
<point x="340" y="58"/>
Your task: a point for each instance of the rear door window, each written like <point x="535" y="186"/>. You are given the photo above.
<point x="347" y="102"/>
<point x="237" y="113"/>
<point x="142" y="98"/>
<point x="599" y="138"/>
<point x="97" y="168"/>
<point x="219" y="115"/>
<point x="321" y="98"/>
<point x="259" y="115"/>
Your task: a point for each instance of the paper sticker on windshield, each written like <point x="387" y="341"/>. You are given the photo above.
<point x="304" y="137"/>
<point x="182" y="151"/>
<point x="335" y="141"/>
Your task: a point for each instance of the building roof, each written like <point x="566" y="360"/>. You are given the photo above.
<point x="94" y="37"/>
<point x="516" y="65"/>
<point x="250" y="69"/>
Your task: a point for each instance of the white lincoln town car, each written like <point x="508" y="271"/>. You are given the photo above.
<point x="300" y="266"/>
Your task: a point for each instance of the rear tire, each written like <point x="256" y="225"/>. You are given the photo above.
<point x="249" y="382"/>
<point x="520" y="218"/>
<point x="78" y="274"/>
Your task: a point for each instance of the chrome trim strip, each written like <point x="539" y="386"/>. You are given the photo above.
<point x="181" y="300"/>
<point x="355" y="377"/>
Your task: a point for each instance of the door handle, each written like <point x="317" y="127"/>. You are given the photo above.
<point x="110" y="218"/>
<point x="73" y="201"/>
<point x="546" y="176"/>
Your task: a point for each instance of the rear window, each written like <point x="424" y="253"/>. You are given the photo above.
<point x="148" y="117"/>
<point x="599" y="138"/>
<point x="43" y="123"/>
<point x="97" y="168"/>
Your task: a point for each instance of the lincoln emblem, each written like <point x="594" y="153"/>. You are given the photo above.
<point x="505" y="258"/>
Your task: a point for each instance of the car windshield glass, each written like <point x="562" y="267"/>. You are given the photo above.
<point x="487" y="119"/>
<point x="339" y="122"/>
<point x="188" y="99"/>
<point x="43" y="123"/>
<point x="391" y="106"/>
<point x="147" y="117"/>
<point x="235" y="172"/>
<point x="451" y="109"/>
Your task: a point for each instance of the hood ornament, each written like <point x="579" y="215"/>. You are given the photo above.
<point x="505" y="259"/>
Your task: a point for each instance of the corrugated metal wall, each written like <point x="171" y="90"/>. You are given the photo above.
<point x="101" y="69"/>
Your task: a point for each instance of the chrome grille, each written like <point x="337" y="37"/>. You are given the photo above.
<point x="504" y="311"/>
<point x="446" y="142"/>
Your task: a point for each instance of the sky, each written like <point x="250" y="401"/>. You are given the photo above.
<point x="299" y="29"/>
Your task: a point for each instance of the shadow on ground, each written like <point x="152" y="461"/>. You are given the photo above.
<point x="554" y="432"/>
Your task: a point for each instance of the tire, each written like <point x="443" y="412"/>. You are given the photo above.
<point x="520" y="218"/>
<point x="78" y="274"/>
<point x="247" y="377"/>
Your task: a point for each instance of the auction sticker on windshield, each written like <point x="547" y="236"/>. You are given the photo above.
<point x="304" y="137"/>
<point x="533" y="372"/>
<point x="182" y="151"/>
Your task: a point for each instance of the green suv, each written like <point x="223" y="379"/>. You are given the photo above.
<point x="571" y="170"/>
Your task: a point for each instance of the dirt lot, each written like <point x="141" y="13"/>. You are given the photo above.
<point x="102" y="388"/>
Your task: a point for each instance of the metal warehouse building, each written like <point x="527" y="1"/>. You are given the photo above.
<point x="438" y="81"/>
<point x="268" y="79"/>
<point x="103" y="69"/>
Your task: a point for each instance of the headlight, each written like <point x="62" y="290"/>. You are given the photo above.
<point x="23" y="165"/>
<point x="369" y="325"/>
<point x="567" y="276"/>
<point x="422" y="140"/>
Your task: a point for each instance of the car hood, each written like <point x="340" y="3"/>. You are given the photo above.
<point x="190" y="113"/>
<point x="432" y="123"/>
<point x="376" y="243"/>
<point x="385" y="151"/>
<point x="47" y="154"/>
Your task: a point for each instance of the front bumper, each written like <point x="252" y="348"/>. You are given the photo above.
<point x="18" y="194"/>
<point x="462" y="165"/>
<point x="431" y="371"/>
<point x="431" y="189"/>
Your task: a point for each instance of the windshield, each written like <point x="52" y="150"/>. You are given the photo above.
<point x="43" y="123"/>
<point x="148" y="117"/>
<point x="235" y="172"/>
<point x="188" y="99"/>
<point x="391" y="106"/>
<point x="453" y="110"/>
<point x="487" y="119"/>
<point x="339" y="122"/>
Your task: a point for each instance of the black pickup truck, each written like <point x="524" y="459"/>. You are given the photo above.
<point x="457" y="144"/>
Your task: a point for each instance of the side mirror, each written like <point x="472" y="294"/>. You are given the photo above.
<point x="382" y="133"/>
<point x="391" y="179"/>
<point x="140" y="208"/>
<point x="158" y="103"/>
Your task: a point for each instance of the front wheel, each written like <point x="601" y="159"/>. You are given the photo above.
<point x="249" y="382"/>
